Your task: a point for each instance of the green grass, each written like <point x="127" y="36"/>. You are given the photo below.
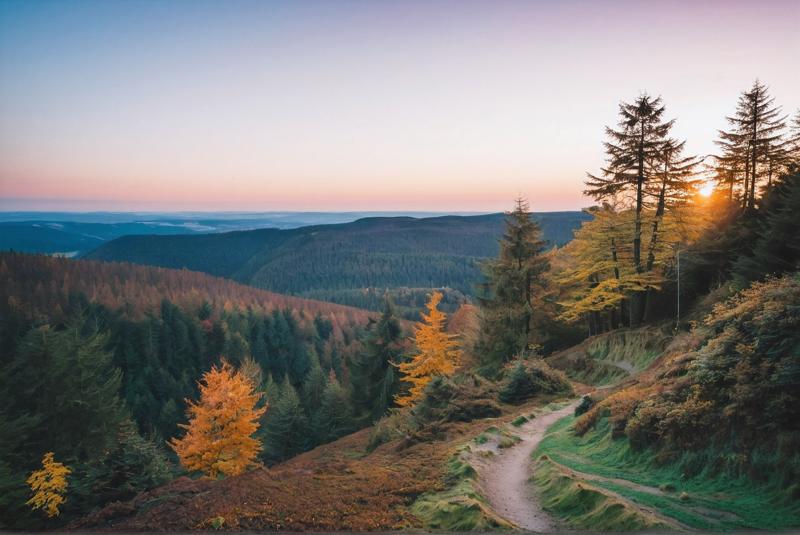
<point x="519" y="421"/>
<point x="587" y="507"/>
<point x="459" y="507"/>
<point x="616" y="355"/>
<point x="715" y="501"/>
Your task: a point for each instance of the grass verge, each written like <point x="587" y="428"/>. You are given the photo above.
<point x="703" y="500"/>
<point x="585" y="506"/>
<point x="459" y="507"/>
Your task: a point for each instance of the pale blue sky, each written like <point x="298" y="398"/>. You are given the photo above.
<point x="331" y="105"/>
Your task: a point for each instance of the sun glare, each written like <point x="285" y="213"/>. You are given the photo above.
<point x="706" y="189"/>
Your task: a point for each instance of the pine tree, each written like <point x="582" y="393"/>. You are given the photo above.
<point x="633" y="151"/>
<point x="285" y="430"/>
<point x="512" y="280"/>
<point x="218" y="439"/>
<point x="437" y="353"/>
<point x="674" y="183"/>
<point x="793" y="147"/>
<point x="334" y="419"/>
<point x="314" y="388"/>
<point x="66" y="380"/>
<point x="755" y="143"/>
<point x="372" y="378"/>
<point x="777" y="241"/>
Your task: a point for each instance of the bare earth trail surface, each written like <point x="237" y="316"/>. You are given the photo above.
<point x="504" y="476"/>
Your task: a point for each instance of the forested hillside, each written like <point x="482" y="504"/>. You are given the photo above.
<point x="98" y="360"/>
<point x="337" y="262"/>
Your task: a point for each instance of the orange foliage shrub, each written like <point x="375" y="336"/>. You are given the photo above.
<point x="619" y="407"/>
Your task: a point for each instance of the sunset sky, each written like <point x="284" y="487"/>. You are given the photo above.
<point x="334" y="105"/>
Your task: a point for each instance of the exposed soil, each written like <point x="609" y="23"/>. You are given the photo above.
<point x="504" y="476"/>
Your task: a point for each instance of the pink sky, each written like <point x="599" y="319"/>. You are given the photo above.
<point x="447" y="106"/>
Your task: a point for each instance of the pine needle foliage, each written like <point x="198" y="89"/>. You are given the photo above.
<point x="513" y="286"/>
<point x="755" y="147"/>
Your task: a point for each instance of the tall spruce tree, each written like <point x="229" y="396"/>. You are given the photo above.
<point x="334" y="419"/>
<point x="755" y="143"/>
<point x="512" y="279"/>
<point x="633" y="151"/>
<point x="284" y="428"/>
<point x="373" y="378"/>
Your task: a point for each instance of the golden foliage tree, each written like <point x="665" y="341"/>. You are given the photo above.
<point x="599" y="276"/>
<point x="218" y="438"/>
<point x="437" y="353"/>
<point x="49" y="485"/>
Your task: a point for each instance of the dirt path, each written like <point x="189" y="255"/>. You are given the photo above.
<point x="504" y="475"/>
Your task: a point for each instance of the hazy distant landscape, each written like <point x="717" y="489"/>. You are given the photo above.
<point x="75" y="233"/>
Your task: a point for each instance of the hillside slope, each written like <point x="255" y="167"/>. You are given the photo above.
<point x="330" y="261"/>
<point x="704" y="430"/>
<point x="146" y="335"/>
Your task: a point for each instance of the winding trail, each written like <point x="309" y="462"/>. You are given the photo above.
<point x="504" y="476"/>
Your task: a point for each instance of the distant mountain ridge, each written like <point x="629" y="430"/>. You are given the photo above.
<point x="76" y="233"/>
<point x="329" y="261"/>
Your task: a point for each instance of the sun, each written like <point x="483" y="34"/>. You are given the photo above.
<point x="706" y="189"/>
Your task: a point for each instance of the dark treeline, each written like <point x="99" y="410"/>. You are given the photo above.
<point x="407" y="301"/>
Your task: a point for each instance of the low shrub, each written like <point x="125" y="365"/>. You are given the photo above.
<point x="530" y="378"/>
<point x="586" y="403"/>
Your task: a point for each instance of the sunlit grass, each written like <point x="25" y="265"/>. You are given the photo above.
<point x="718" y="501"/>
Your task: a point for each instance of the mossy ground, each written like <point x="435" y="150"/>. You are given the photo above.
<point x="703" y="500"/>
<point x="608" y="358"/>
<point x="585" y="506"/>
<point x="459" y="507"/>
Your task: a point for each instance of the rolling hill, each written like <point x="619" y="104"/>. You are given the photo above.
<point x="77" y="233"/>
<point x="330" y="261"/>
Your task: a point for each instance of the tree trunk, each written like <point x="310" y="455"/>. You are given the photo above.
<point x="636" y="298"/>
<point x="754" y="140"/>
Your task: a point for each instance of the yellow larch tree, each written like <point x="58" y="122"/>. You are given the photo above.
<point x="49" y="485"/>
<point x="218" y="438"/>
<point x="437" y="353"/>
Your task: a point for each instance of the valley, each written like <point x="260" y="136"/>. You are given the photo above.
<point x="350" y="263"/>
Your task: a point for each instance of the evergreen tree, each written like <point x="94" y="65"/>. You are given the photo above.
<point x="285" y="427"/>
<point x="134" y="464"/>
<point x="372" y="378"/>
<point x="755" y="143"/>
<point x="334" y="419"/>
<point x="632" y="152"/>
<point x="508" y="304"/>
<point x="776" y="247"/>
<point x="314" y="388"/>
<point x="278" y="346"/>
<point x="519" y="386"/>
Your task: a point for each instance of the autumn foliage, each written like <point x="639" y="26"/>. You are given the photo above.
<point x="48" y="485"/>
<point x="437" y="353"/>
<point x="218" y="438"/>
